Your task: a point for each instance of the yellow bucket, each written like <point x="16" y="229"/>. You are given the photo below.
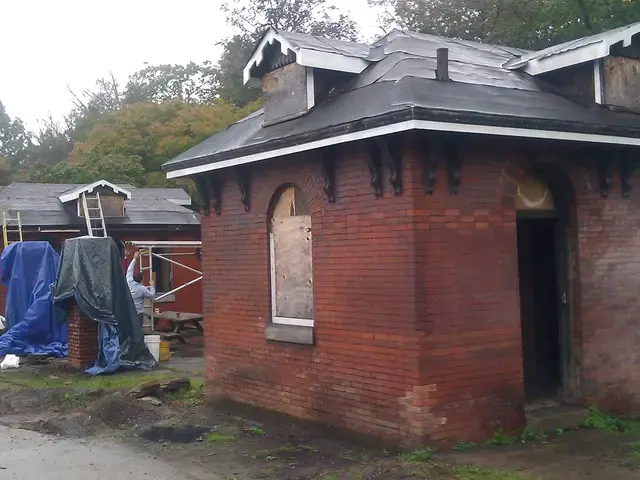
<point x="165" y="353"/>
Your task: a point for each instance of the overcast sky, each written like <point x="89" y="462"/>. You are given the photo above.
<point x="50" y="44"/>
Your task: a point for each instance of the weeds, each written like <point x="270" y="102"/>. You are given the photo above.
<point x="423" y="455"/>
<point x="475" y="473"/>
<point x="529" y="435"/>
<point x="215" y="437"/>
<point x="257" y="431"/>
<point x="464" y="446"/>
<point x="501" y="438"/>
<point x="610" y="423"/>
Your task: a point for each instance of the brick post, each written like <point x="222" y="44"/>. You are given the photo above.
<point x="83" y="338"/>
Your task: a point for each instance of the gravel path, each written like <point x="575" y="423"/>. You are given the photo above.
<point x="26" y="455"/>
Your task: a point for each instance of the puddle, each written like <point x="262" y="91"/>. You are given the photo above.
<point x="175" y="434"/>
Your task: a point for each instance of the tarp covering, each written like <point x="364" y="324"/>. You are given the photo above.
<point x="34" y="326"/>
<point x="91" y="273"/>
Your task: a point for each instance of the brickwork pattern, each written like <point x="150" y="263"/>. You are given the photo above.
<point x="83" y="338"/>
<point x="418" y="333"/>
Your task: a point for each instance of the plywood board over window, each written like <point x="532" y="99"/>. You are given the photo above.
<point x="291" y="260"/>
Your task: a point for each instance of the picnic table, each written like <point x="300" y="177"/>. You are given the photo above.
<point x="178" y="321"/>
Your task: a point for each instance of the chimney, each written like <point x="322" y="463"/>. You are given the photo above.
<point x="442" y="70"/>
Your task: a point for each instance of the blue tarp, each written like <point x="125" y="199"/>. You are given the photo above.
<point x="91" y="273"/>
<point x="34" y="325"/>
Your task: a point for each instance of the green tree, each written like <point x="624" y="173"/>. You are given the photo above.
<point x="154" y="132"/>
<point x="529" y="24"/>
<point x="250" y="18"/>
<point x="191" y="83"/>
<point x="50" y="145"/>
<point x="14" y="139"/>
<point x="113" y="168"/>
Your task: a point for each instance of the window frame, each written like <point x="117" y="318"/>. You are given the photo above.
<point x="275" y="318"/>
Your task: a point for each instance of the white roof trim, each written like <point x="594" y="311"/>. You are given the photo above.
<point x="304" y="56"/>
<point x="75" y="194"/>
<point x="574" y="52"/>
<point x="406" y="126"/>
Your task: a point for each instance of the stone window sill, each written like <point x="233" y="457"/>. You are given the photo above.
<point x="276" y="332"/>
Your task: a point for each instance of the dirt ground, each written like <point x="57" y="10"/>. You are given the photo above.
<point x="179" y="430"/>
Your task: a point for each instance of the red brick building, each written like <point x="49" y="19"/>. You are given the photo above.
<point x="53" y="212"/>
<point x="415" y="239"/>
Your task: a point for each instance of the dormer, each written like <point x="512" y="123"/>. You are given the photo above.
<point x="296" y="70"/>
<point x="604" y="68"/>
<point x="112" y="198"/>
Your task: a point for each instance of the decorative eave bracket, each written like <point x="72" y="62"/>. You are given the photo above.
<point x="328" y="166"/>
<point x="390" y="151"/>
<point x="627" y="169"/>
<point x="605" y="175"/>
<point x="372" y="157"/>
<point x="244" y="184"/>
<point x="210" y="192"/>
<point x="434" y="152"/>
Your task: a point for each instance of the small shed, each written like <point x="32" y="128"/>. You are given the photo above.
<point x="53" y="212"/>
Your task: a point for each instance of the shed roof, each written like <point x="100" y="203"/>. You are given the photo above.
<point x="399" y="91"/>
<point x="39" y="205"/>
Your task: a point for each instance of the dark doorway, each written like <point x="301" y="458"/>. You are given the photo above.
<point x="539" y="306"/>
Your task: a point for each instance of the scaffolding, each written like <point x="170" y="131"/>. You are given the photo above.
<point x="147" y="254"/>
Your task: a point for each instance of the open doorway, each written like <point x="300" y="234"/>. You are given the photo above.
<point x="539" y="306"/>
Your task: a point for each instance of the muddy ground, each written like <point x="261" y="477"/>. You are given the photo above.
<point x="178" y="429"/>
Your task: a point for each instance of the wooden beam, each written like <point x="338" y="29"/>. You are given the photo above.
<point x="390" y="154"/>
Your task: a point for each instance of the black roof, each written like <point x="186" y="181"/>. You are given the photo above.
<point x="400" y="84"/>
<point x="39" y="206"/>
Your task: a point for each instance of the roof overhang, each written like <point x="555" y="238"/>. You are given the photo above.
<point x="75" y="194"/>
<point x="416" y="124"/>
<point x="574" y="53"/>
<point x="304" y="56"/>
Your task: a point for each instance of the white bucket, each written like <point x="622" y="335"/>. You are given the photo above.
<point x="153" y="344"/>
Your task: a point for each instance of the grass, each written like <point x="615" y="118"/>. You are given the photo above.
<point x="257" y="431"/>
<point x="501" y="438"/>
<point x="64" y="380"/>
<point x="610" y="423"/>
<point x="464" y="446"/>
<point x="476" y="473"/>
<point x="423" y="455"/>
<point x="215" y="437"/>
<point x="193" y="396"/>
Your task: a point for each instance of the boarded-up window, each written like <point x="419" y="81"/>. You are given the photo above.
<point x="291" y="265"/>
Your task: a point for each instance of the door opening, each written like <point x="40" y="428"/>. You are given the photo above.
<point x="540" y="307"/>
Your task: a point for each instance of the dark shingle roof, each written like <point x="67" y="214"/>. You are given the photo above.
<point x="400" y="84"/>
<point x="38" y="205"/>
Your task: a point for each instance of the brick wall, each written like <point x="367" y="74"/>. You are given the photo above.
<point x="469" y="312"/>
<point x="83" y="338"/>
<point x="607" y="343"/>
<point x="366" y="355"/>
<point x="417" y="334"/>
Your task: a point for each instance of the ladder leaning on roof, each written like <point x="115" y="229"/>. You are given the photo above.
<point x="93" y="215"/>
<point x="11" y="225"/>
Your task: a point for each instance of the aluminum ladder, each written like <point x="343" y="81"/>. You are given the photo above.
<point x="93" y="215"/>
<point x="7" y="224"/>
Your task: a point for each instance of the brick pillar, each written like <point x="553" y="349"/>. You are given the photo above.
<point x="83" y="338"/>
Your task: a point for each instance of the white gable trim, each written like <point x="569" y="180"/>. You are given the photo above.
<point x="403" y="127"/>
<point x="75" y="194"/>
<point x="585" y="51"/>
<point x="304" y="57"/>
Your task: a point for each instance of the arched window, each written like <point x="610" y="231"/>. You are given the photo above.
<point x="290" y="257"/>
